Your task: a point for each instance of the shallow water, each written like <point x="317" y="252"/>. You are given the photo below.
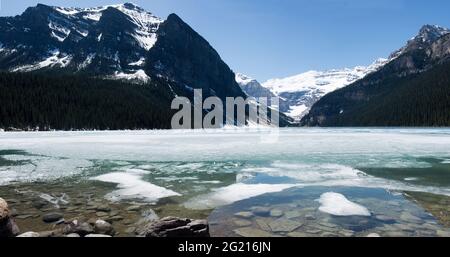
<point x="202" y="170"/>
<point x="299" y="212"/>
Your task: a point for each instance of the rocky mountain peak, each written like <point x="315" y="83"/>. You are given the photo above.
<point x="427" y="35"/>
<point x="431" y="33"/>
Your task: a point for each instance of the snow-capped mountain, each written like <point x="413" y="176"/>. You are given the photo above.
<point x="252" y="87"/>
<point x="412" y="89"/>
<point x="123" y="42"/>
<point x="426" y="36"/>
<point x="303" y="90"/>
<point x="109" y="40"/>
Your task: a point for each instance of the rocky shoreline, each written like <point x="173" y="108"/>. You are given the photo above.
<point x="82" y="227"/>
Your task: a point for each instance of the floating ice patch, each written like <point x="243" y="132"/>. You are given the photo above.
<point x="41" y="168"/>
<point x="338" y="205"/>
<point x="411" y="179"/>
<point x="131" y="186"/>
<point x="233" y="193"/>
<point x="446" y="161"/>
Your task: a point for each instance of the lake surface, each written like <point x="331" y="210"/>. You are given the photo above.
<point x="195" y="172"/>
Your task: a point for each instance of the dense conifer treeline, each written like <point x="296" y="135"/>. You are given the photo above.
<point x="65" y="102"/>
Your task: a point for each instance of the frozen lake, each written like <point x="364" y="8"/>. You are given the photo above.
<point x="216" y="167"/>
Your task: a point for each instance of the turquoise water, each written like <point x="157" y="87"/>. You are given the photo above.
<point x="204" y="170"/>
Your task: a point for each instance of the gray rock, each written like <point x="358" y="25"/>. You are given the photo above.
<point x="241" y="222"/>
<point x="103" y="208"/>
<point x="373" y="235"/>
<point x="24" y="216"/>
<point x="292" y="214"/>
<point x="263" y="224"/>
<point x="103" y="227"/>
<point x="313" y="231"/>
<point x="101" y="214"/>
<point x="29" y="234"/>
<point x="284" y="225"/>
<point x="8" y="227"/>
<point x="176" y="227"/>
<point x="114" y="213"/>
<point x="384" y="218"/>
<point x="52" y="217"/>
<point x="97" y="235"/>
<point x="328" y="234"/>
<point x="297" y="234"/>
<point x="130" y="230"/>
<point x="134" y="208"/>
<point x="442" y="233"/>
<point x="276" y="213"/>
<point x="252" y="232"/>
<point x="39" y="204"/>
<point x="310" y="217"/>
<point x="244" y="214"/>
<point x="114" y="218"/>
<point x="81" y="228"/>
<point x="408" y="217"/>
<point x="261" y="211"/>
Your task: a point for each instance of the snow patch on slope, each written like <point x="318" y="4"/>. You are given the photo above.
<point x="86" y="62"/>
<point x="139" y="75"/>
<point x="303" y="90"/>
<point x="243" y="80"/>
<point x="146" y="23"/>
<point x="140" y="62"/>
<point x="55" y="59"/>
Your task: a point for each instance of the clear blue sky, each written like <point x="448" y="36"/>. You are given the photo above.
<point x="277" y="38"/>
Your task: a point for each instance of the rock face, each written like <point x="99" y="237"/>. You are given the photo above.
<point x="176" y="227"/>
<point x="8" y="227"/>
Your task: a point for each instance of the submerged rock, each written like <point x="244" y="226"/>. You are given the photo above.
<point x="52" y="217"/>
<point x="241" y="222"/>
<point x="261" y="211"/>
<point x="80" y="228"/>
<point x="252" y="232"/>
<point x="244" y="214"/>
<point x="8" y="227"/>
<point x="176" y="227"/>
<point x="276" y="213"/>
<point x="284" y="225"/>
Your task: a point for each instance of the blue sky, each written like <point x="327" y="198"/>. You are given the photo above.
<point x="278" y="38"/>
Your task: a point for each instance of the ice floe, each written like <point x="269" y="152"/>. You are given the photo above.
<point x="233" y="193"/>
<point x="338" y="205"/>
<point x="131" y="186"/>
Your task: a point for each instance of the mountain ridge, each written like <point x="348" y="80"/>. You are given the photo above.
<point x="389" y="96"/>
